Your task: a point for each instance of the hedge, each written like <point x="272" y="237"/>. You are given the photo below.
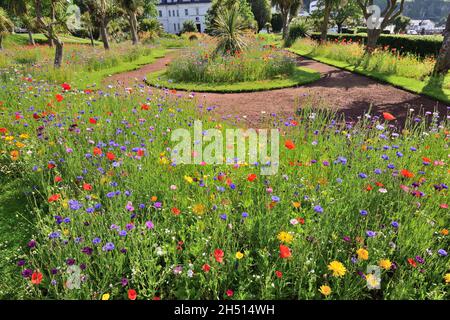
<point x="419" y="45"/>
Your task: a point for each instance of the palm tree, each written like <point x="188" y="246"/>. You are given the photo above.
<point x="329" y="5"/>
<point x="6" y="26"/>
<point x="229" y="27"/>
<point x="443" y="62"/>
<point x="289" y="10"/>
<point x="132" y="9"/>
<point x="102" y="12"/>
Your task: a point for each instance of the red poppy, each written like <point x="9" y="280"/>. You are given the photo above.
<point x="87" y="186"/>
<point x="132" y="295"/>
<point x="58" y="179"/>
<point x="412" y="262"/>
<point x="156" y="298"/>
<point x="36" y="116"/>
<point x="443" y="206"/>
<point x="36" y="278"/>
<point x="301" y="220"/>
<point x="230" y="293"/>
<point x="176" y="211"/>
<point x="3" y="130"/>
<point x="369" y="187"/>
<point x="294" y="123"/>
<point x="389" y="117"/>
<point x="251" y="177"/>
<point x="53" y="198"/>
<point x="285" y="252"/>
<point x="145" y="107"/>
<point x="66" y="86"/>
<point x="218" y="255"/>
<point x="379" y="184"/>
<point x="279" y="274"/>
<point x="206" y="267"/>
<point x="97" y="151"/>
<point x="220" y="177"/>
<point x="51" y="166"/>
<point x="289" y="144"/>
<point x="110" y="156"/>
<point x="407" y="174"/>
<point x="92" y="121"/>
<point x="59" y="98"/>
<point x="426" y="160"/>
<point x="140" y="153"/>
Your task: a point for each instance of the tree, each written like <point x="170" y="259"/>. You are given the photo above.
<point x="6" y="26"/>
<point x="102" y="12"/>
<point x="376" y="25"/>
<point x="132" y="9"/>
<point x="49" y="26"/>
<point x="401" y="23"/>
<point x="344" y="12"/>
<point x="262" y="11"/>
<point x="328" y="6"/>
<point x="86" y="21"/>
<point x="289" y="10"/>
<point x="189" y="26"/>
<point x="276" y="22"/>
<point x="229" y="28"/>
<point x="443" y="61"/>
<point x="245" y="11"/>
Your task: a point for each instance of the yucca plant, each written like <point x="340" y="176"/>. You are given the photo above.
<point x="229" y="28"/>
<point x="6" y="26"/>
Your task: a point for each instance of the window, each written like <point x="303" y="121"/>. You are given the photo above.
<point x="169" y="14"/>
<point x="160" y="13"/>
<point x="179" y="28"/>
<point x="175" y="26"/>
<point x="197" y="11"/>
<point x="186" y="12"/>
<point x="178" y="13"/>
<point x="173" y="13"/>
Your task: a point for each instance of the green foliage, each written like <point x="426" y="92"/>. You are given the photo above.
<point x="299" y="28"/>
<point x="262" y="10"/>
<point x="151" y="25"/>
<point x="245" y="11"/>
<point x="6" y="25"/>
<point x="419" y="45"/>
<point x="401" y="23"/>
<point x="189" y="26"/>
<point x="229" y="27"/>
<point x="276" y="22"/>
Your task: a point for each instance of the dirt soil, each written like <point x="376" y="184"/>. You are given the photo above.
<point x="346" y="92"/>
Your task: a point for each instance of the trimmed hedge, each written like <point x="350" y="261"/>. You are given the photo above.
<point x="419" y="45"/>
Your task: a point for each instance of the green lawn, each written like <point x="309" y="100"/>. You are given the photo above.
<point x="300" y="77"/>
<point x="15" y="231"/>
<point x="434" y="88"/>
<point x="22" y="39"/>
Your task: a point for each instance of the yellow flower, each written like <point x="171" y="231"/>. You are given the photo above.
<point x="385" y="264"/>
<point x="20" y="145"/>
<point x="363" y="254"/>
<point x="447" y="278"/>
<point x="239" y="255"/>
<point x="66" y="232"/>
<point x="372" y="281"/>
<point x="105" y="296"/>
<point x="325" y="290"/>
<point x="198" y="209"/>
<point x="296" y="204"/>
<point x="337" y="268"/>
<point x="14" y="155"/>
<point x="24" y="136"/>
<point x="188" y="179"/>
<point x="285" y="237"/>
<point x="9" y="138"/>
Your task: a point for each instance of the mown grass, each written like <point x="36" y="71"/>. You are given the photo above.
<point x="39" y="38"/>
<point x="409" y="73"/>
<point x="301" y="76"/>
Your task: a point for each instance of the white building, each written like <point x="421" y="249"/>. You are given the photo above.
<point x="172" y="14"/>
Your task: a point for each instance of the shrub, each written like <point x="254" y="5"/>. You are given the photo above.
<point x="297" y="29"/>
<point x="277" y="23"/>
<point x="418" y="45"/>
<point x="189" y="26"/>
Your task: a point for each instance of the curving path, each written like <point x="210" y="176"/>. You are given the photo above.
<point x="346" y="92"/>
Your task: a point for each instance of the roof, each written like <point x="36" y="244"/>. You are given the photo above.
<point x="175" y="2"/>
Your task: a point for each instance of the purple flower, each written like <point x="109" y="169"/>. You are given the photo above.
<point x="149" y="225"/>
<point x="87" y="250"/>
<point x="394" y="224"/>
<point x="363" y="212"/>
<point x="108" y="246"/>
<point x="158" y="205"/>
<point x="318" y="209"/>
<point x="27" y="273"/>
<point x="419" y="259"/>
<point x="32" y="244"/>
<point x="371" y="234"/>
<point x="442" y="252"/>
<point x="223" y="216"/>
<point x="21" y="263"/>
<point x="124" y="282"/>
<point x="362" y="175"/>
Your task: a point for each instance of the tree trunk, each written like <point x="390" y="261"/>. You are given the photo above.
<point x="31" y="39"/>
<point x="50" y="41"/>
<point x="339" y="25"/>
<point x="443" y="62"/>
<point x="372" y="39"/>
<point x="133" y="28"/>
<point x="284" y="17"/>
<point x="1" y="41"/>
<point x="58" y="53"/>
<point x="104" y="35"/>
<point x="91" y="36"/>
<point x="326" y="20"/>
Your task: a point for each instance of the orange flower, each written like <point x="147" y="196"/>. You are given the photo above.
<point x="54" y="198"/>
<point x="218" y="255"/>
<point x="289" y="144"/>
<point x="132" y="295"/>
<point x="389" y="117"/>
<point x="176" y="211"/>
<point x="251" y="177"/>
<point x="285" y="252"/>
<point x="407" y="174"/>
<point x="97" y="151"/>
<point x="36" y="278"/>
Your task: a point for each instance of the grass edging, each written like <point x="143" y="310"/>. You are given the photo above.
<point x="408" y="84"/>
<point x="302" y="76"/>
